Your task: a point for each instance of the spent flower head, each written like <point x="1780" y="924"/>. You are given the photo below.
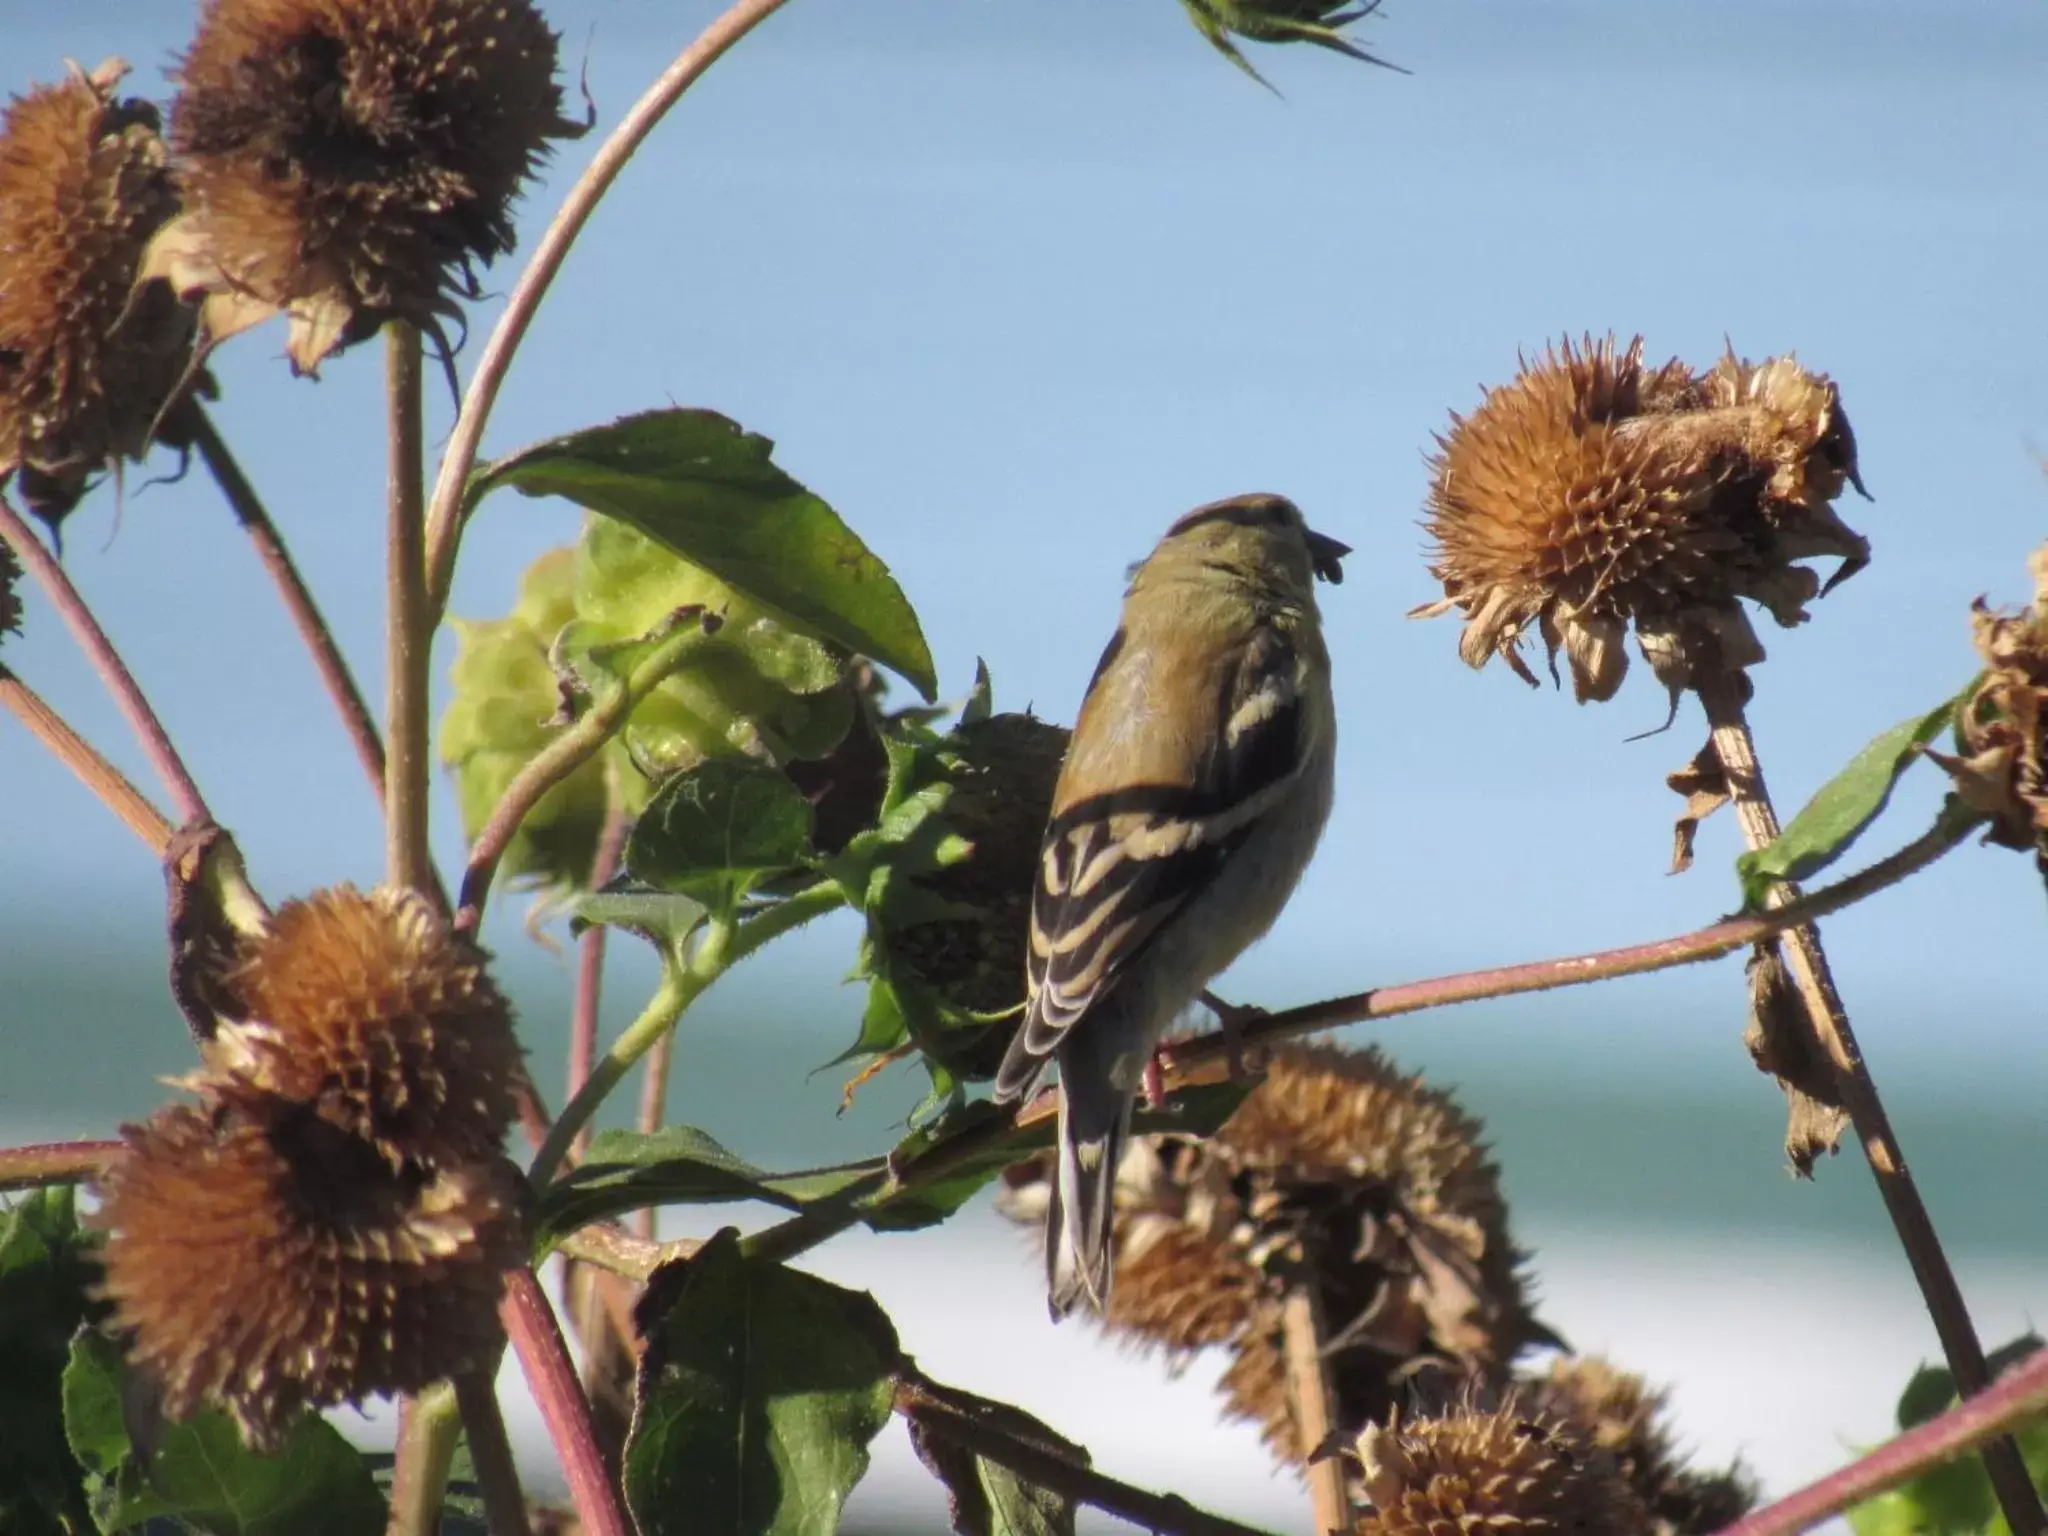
<point x="348" y="162"/>
<point x="1595" y="494"/>
<point x="88" y="359"/>
<point x="2001" y="767"/>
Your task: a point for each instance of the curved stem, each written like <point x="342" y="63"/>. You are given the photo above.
<point x="490" y="1452"/>
<point x="93" y="771"/>
<point x="55" y="1162"/>
<point x="1723" y="695"/>
<point x="2021" y="1394"/>
<point x="409" y="631"/>
<point x="428" y="1428"/>
<point x="445" y="520"/>
<point x="544" y="1356"/>
<point x="99" y="650"/>
<point x="306" y="617"/>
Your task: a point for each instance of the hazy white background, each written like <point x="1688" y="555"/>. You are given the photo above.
<point x="1014" y="285"/>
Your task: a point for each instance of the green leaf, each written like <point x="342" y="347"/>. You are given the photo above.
<point x="663" y="918"/>
<point x="759" y="1391"/>
<point x="680" y="1165"/>
<point x="988" y="1499"/>
<point x="699" y="484"/>
<point x="714" y="831"/>
<point x="200" y="1473"/>
<point x="44" y="1272"/>
<point x="1843" y="807"/>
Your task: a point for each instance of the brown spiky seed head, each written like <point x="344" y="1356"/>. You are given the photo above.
<point x="1337" y="1171"/>
<point x="1593" y="493"/>
<point x="1501" y="1472"/>
<point x="371" y="1009"/>
<point x="1626" y="1418"/>
<point x="347" y="161"/>
<point x="265" y="1263"/>
<point x="87" y="360"/>
<point x="2001" y="768"/>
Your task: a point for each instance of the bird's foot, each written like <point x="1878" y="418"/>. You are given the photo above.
<point x="1153" y="1083"/>
<point x="1231" y="1019"/>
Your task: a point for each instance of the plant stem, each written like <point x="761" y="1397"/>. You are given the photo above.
<point x="409" y="633"/>
<point x="1308" y="1389"/>
<point x="445" y="521"/>
<point x="55" y="1162"/>
<point x="724" y="945"/>
<point x="99" y="650"/>
<point x="2021" y="1394"/>
<point x="1163" y="1514"/>
<point x="561" y="757"/>
<point x="551" y="1375"/>
<point x="1722" y="694"/>
<point x="428" y="1428"/>
<point x="490" y="1452"/>
<point x="583" y="1014"/>
<point x="306" y="617"/>
<point x="93" y="771"/>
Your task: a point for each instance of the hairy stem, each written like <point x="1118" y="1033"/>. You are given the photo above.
<point x="112" y="786"/>
<point x="551" y="1375"/>
<point x="55" y="1162"/>
<point x="583" y="1013"/>
<point x="561" y="757"/>
<point x="409" y="620"/>
<point x="1723" y="695"/>
<point x="1163" y="1514"/>
<point x="450" y="486"/>
<point x="428" y="1428"/>
<point x="2021" y="1394"/>
<point x="1308" y="1391"/>
<point x="99" y="650"/>
<point x="306" y="617"/>
<point x="490" y="1452"/>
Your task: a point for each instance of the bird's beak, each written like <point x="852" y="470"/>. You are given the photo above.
<point x="1326" y="555"/>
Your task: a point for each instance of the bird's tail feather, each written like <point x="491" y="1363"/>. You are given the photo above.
<point x="1079" y="1254"/>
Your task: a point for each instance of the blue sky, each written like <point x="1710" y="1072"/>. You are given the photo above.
<point x="1013" y="285"/>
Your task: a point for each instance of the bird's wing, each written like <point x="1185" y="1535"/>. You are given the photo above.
<point x="1118" y="863"/>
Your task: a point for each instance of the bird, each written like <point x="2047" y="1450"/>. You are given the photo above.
<point x="1194" y="790"/>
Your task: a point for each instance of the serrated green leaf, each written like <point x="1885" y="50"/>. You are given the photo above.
<point x="201" y="1474"/>
<point x="1837" y="815"/>
<point x="663" y="918"/>
<point x="44" y="1272"/>
<point x="760" y="1389"/>
<point x="714" y="831"/>
<point x="705" y="488"/>
<point x="679" y="1165"/>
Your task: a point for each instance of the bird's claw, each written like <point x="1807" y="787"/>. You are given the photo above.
<point x="1231" y="1019"/>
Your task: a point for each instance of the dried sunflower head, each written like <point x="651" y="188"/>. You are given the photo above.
<point x="347" y="161"/>
<point x="1594" y="494"/>
<point x="1340" y="1173"/>
<point x="87" y="359"/>
<point x="2001" y="767"/>
<point x="265" y="1262"/>
<point x="1514" y="1469"/>
<point x="371" y="1010"/>
<point x="1626" y="1418"/>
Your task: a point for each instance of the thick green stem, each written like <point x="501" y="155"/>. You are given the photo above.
<point x="409" y="620"/>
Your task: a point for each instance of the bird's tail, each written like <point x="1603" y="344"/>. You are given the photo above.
<point x="1095" y="1120"/>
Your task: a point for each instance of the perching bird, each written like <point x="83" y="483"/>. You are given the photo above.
<point x="1195" y="787"/>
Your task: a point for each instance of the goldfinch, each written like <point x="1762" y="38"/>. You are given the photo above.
<point x="1194" y="790"/>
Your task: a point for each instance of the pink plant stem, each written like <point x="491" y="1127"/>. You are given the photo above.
<point x="99" y="650"/>
<point x="590" y="949"/>
<point x="55" y="1162"/>
<point x="95" y="772"/>
<point x="551" y="1376"/>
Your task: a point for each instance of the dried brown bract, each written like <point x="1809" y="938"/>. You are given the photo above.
<point x="373" y="1011"/>
<point x="347" y="161"/>
<point x="265" y="1262"/>
<point x="10" y="600"/>
<point x="2002" y="729"/>
<point x="1594" y="494"/>
<point x="87" y="359"/>
<point x="1339" y="1173"/>
<point x="1626" y="1419"/>
<point x="1516" y="1469"/>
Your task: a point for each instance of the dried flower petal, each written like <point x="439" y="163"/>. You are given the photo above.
<point x="1516" y="1469"/>
<point x="374" y="1011"/>
<point x="1592" y="494"/>
<point x="266" y="1262"/>
<point x="346" y="161"/>
<point x="2002" y="729"/>
<point x="87" y="360"/>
